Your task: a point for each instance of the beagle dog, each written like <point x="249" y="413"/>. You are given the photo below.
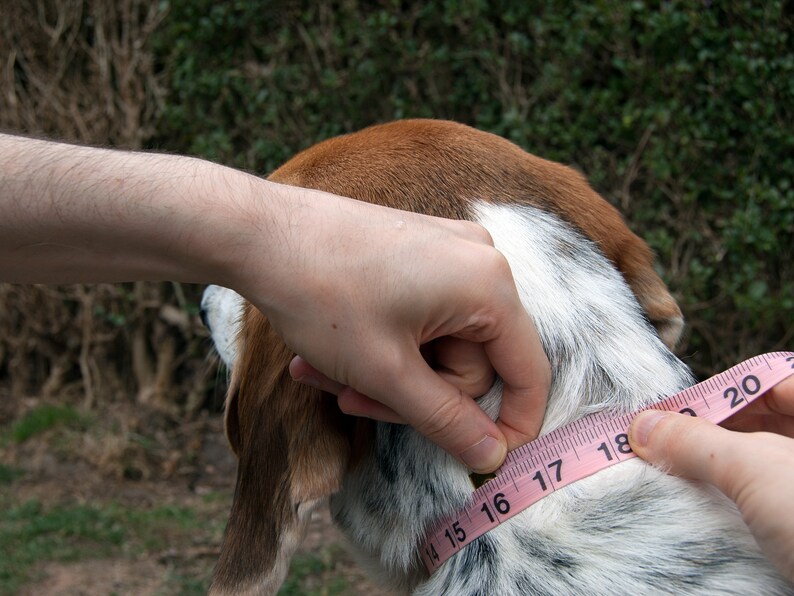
<point x="607" y="323"/>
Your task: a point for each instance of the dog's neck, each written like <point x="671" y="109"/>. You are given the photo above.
<point x="604" y="354"/>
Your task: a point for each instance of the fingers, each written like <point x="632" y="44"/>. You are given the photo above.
<point x="773" y="412"/>
<point x="697" y="449"/>
<point x="780" y="398"/>
<point x="441" y="412"/>
<point x="476" y="330"/>
<point x="433" y="405"/>
<point x="683" y="445"/>
<point x="689" y="445"/>
<point x="522" y="364"/>
<point x="349" y="400"/>
<point x="439" y="404"/>
<point x="303" y="372"/>
<point x="462" y="363"/>
<point x="357" y="404"/>
<point x="512" y="345"/>
<point x="752" y="469"/>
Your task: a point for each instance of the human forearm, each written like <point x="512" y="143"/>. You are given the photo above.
<point x="80" y="214"/>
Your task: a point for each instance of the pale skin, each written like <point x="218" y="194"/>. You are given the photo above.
<point x="752" y="467"/>
<point x="366" y="295"/>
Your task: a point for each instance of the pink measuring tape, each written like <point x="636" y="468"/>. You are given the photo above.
<point x="586" y="446"/>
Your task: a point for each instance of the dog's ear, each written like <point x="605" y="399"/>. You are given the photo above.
<point x="292" y="446"/>
<point x="635" y="261"/>
<point x="568" y="193"/>
<point x="231" y="419"/>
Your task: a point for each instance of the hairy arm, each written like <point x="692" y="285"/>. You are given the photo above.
<point x="81" y="214"/>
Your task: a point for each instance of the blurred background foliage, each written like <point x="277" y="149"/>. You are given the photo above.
<point x="680" y="113"/>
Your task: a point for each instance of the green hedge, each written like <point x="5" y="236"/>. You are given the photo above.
<point x="680" y="113"/>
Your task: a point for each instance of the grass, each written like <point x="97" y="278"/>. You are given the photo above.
<point x="36" y="534"/>
<point x="31" y="533"/>
<point x="316" y="575"/>
<point x="43" y="418"/>
<point x="8" y="474"/>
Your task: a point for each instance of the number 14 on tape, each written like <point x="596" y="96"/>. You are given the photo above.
<point x="588" y="445"/>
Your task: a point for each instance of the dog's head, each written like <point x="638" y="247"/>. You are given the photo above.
<point x="292" y="442"/>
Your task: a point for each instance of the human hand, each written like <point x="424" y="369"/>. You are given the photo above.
<point x="755" y="469"/>
<point x="405" y="318"/>
<point x="361" y="292"/>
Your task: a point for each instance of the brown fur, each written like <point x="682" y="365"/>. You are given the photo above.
<point x="434" y="167"/>
<point x="292" y="442"/>
<point x="292" y="445"/>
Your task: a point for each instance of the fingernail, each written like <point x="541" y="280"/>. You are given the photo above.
<point x="644" y="424"/>
<point x="485" y="455"/>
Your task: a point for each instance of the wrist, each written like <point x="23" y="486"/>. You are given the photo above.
<point x="219" y="214"/>
<point x="248" y="236"/>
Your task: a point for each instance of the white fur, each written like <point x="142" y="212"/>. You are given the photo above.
<point x="627" y="529"/>
<point x="223" y="312"/>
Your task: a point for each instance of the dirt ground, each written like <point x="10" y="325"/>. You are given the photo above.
<point x="148" y="577"/>
<point x="50" y="475"/>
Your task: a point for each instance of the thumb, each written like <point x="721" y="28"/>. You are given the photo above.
<point x="444" y="414"/>
<point x="685" y="446"/>
<point x="751" y="469"/>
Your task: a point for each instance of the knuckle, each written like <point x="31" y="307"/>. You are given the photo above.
<point x="442" y="423"/>
<point x="478" y="232"/>
<point x="480" y="326"/>
<point x="496" y="269"/>
<point x="486" y="236"/>
<point x="480" y="385"/>
<point x="497" y="262"/>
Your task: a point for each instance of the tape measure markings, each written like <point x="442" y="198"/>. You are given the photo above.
<point x="553" y="461"/>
